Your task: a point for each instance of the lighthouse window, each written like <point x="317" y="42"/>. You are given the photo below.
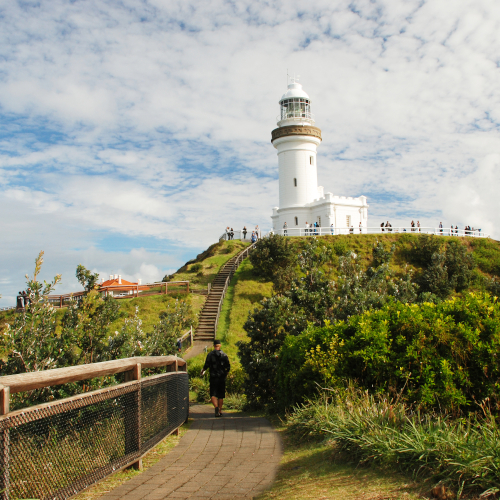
<point x="296" y="221"/>
<point x="295" y="108"/>
<point x="311" y="160"/>
<point x="295" y="182"/>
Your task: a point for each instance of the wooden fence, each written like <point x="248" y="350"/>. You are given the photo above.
<point x="56" y="449"/>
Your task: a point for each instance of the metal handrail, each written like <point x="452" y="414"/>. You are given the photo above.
<point x="243" y="255"/>
<point x="328" y="230"/>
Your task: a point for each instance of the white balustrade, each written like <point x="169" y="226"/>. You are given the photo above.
<point x="324" y="231"/>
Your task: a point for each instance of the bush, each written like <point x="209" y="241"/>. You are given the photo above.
<point x="267" y="329"/>
<point x="424" y="247"/>
<point x="445" y="271"/>
<point x="381" y="255"/>
<point x="194" y="268"/>
<point x="235" y="381"/>
<point x="463" y="453"/>
<point x="202" y="388"/>
<point x="235" y="401"/>
<point x="272" y="257"/>
<point x="440" y="355"/>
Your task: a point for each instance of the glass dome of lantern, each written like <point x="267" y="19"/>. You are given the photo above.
<point x="295" y="107"/>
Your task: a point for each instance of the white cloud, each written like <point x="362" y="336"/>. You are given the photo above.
<point x="153" y="119"/>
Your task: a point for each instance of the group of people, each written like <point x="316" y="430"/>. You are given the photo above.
<point x="23" y="299"/>
<point x="467" y="230"/>
<point x="229" y="232"/>
<point x="311" y="228"/>
<point x="388" y="226"/>
<point x="415" y="226"/>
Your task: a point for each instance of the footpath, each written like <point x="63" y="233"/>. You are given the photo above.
<point x="233" y="457"/>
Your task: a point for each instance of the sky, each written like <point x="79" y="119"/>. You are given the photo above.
<point x="133" y="132"/>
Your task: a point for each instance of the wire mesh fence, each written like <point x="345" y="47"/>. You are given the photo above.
<point x="53" y="451"/>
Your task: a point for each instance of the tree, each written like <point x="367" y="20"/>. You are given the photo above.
<point x="274" y="259"/>
<point x="85" y="329"/>
<point x="86" y="278"/>
<point x="31" y="344"/>
<point x="267" y="329"/>
<point x="134" y="341"/>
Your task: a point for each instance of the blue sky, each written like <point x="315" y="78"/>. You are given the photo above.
<point x="133" y="132"/>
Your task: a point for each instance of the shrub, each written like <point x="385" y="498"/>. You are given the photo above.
<point x="235" y="381"/>
<point x="381" y="255"/>
<point x="272" y="257"/>
<point x="424" y="247"/>
<point x="445" y="271"/>
<point x="340" y="247"/>
<point x="440" y="355"/>
<point x="235" y="401"/>
<point x="202" y="388"/>
<point x="194" y="268"/>
<point x="267" y="329"/>
<point x="307" y="362"/>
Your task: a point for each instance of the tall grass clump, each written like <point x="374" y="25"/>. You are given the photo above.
<point x="462" y="453"/>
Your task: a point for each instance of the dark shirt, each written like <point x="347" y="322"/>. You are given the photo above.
<point x="218" y="364"/>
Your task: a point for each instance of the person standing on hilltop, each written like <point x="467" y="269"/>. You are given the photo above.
<point x="218" y="364"/>
<point x="245" y="232"/>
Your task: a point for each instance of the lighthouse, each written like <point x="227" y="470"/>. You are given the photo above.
<point x="301" y="200"/>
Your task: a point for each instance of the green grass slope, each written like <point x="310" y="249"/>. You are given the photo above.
<point x="486" y="251"/>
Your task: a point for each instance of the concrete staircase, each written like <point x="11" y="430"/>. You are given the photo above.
<point x="209" y="316"/>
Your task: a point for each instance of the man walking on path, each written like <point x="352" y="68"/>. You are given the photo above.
<point x="218" y="364"/>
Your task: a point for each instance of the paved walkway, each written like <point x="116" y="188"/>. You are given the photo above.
<point x="231" y="457"/>
<point x="197" y="348"/>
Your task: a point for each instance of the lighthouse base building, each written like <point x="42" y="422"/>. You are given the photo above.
<point x="302" y="203"/>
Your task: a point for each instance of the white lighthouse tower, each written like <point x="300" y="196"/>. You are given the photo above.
<point x="301" y="200"/>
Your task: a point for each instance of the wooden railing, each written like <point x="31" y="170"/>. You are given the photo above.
<point x="187" y="336"/>
<point x="54" y="450"/>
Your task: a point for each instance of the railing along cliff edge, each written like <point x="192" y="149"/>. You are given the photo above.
<point x="54" y="450"/>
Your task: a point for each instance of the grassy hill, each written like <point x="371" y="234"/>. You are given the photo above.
<point x="247" y="290"/>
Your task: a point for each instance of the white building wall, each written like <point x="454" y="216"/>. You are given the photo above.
<point x="326" y="211"/>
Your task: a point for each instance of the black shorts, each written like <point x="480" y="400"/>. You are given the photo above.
<point x="218" y="388"/>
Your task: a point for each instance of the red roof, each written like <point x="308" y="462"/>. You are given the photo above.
<point x="114" y="282"/>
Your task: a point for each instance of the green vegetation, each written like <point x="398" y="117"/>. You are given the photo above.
<point x="464" y="453"/>
<point x="312" y="469"/>
<point x="327" y="289"/>
<point x="39" y="338"/>
<point x="443" y="355"/>
<point x="202" y="270"/>
<point x="406" y="320"/>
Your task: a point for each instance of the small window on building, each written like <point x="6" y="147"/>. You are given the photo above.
<point x="348" y="220"/>
<point x="319" y="221"/>
<point x="296" y="221"/>
<point x="311" y="160"/>
<point x="295" y="182"/>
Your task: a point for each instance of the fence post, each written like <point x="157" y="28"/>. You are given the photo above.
<point x="191" y="334"/>
<point x="4" y="445"/>
<point x="133" y="439"/>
